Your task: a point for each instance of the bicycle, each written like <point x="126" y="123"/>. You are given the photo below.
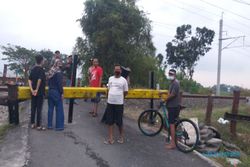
<point x="151" y="123"/>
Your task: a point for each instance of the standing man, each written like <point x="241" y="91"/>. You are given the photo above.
<point x="95" y="80"/>
<point x="37" y="81"/>
<point x="173" y="105"/>
<point x="68" y="71"/>
<point x="125" y="73"/>
<point x="57" y="55"/>
<point x="90" y="69"/>
<point x="117" y="90"/>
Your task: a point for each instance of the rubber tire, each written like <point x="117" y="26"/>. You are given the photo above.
<point x="197" y="134"/>
<point x="161" y="121"/>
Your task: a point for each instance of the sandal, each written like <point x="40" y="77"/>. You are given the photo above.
<point x="120" y="140"/>
<point x="109" y="142"/>
<point x="33" y="126"/>
<point x="94" y="115"/>
<point x="41" y="128"/>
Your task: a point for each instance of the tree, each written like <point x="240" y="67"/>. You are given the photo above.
<point x="185" y="50"/>
<point x="20" y="59"/>
<point x="48" y="56"/>
<point x="116" y="31"/>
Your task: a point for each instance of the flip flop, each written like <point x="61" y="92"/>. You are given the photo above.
<point x="33" y="126"/>
<point x="43" y="128"/>
<point x="120" y="140"/>
<point x="94" y="115"/>
<point x="109" y="142"/>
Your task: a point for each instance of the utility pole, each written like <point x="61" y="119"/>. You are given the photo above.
<point x="220" y="49"/>
<point x="219" y="56"/>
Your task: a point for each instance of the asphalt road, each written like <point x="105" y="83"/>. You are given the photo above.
<point x="81" y="145"/>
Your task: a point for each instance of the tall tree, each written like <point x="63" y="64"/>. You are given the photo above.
<point x="48" y="56"/>
<point x="186" y="49"/>
<point x="20" y="59"/>
<point x="116" y="31"/>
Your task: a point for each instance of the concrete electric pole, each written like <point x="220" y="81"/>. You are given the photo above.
<point x="219" y="56"/>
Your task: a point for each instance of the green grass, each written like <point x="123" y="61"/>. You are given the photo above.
<point x="243" y="129"/>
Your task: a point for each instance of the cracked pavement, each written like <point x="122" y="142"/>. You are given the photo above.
<point x="81" y="145"/>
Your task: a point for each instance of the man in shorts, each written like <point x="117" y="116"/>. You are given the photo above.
<point x="117" y="90"/>
<point x="173" y="105"/>
<point x="95" y="80"/>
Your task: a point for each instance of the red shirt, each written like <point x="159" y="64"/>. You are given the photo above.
<point x="95" y="76"/>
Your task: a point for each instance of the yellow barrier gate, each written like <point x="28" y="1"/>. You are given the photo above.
<point x="89" y="92"/>
<point x="17" y="94"/>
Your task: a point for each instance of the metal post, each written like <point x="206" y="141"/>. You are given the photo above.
<point x="13" y="104"/>
<point x="152" y="86"/>
<point x="235" y="108"/>
<point x="219" y="57"/>
<point x="209" y="110"/>
<point x="5" y="73"/>
<point x="73" y="83"/>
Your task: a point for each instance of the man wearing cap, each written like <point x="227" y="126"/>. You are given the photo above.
<point x="173" y="105"/>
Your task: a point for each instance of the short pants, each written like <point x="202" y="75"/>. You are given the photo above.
<point x="173" y="114"/>
<point x="97" y="99"/>
<point x="113" y="115"/>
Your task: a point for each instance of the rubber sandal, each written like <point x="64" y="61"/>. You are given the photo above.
<point x="120" y="140"/>
<point x="94" y="115"/>
<point x="109" y="142"/>
<point x="33" y="126"/>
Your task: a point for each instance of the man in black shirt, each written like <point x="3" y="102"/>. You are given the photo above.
<point x="37" y="81"/>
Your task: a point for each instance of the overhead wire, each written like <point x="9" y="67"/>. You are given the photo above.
<point x="224" y="9"/>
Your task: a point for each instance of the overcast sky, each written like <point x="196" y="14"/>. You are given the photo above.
<point x="51" y="24"/>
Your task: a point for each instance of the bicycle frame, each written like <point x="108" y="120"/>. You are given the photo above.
<point x="165" y="118"/>
<point x="164" y="109"/>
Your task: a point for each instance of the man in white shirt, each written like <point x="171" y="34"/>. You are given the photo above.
<point x="117" y="90"/>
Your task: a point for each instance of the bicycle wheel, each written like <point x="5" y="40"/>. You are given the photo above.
<point x="186" y="135"/>
<point x="150" y="122"/>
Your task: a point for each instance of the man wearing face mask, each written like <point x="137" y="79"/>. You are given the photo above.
<point x="117" y="90"/>
<point x="173" y="105"/>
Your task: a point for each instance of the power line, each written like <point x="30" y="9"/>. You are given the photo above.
<point x="164" y="25"/>
<point x="201" y="9"/>
<point x="242" y="53"/>
<point x="217" y="15"/>
<point x="234" y="28"/>
<point x="242" y="2"/>
<point x="190" y="11"/>
<point x="236" y="14"/>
